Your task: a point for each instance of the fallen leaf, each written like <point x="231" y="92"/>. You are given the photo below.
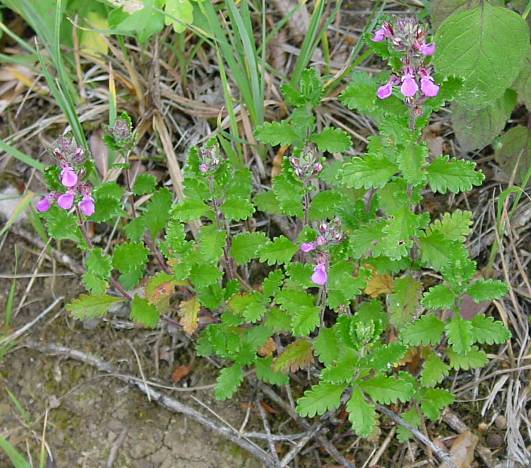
<point x="277" y="161"/>
<point x="189" y="312"/>
<point x="268" y="348"/>
<point x="180" y="372"/>
<point x="379" y="284"/>
<point x="462" y="450"/>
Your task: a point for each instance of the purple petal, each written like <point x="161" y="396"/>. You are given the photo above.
<point x="44" y="204"/>
<point x="385" y="91"/>
<point x="427" y="49"/>
<point x="308" y="246"/>
<point x="68" y="177"/>
<point x="87" y="206"/>
<point x="379" y="35"/>
<point x="66" y="200"/>
<point x="320" y="276"/>
<point x="428" y="87"/>
<point x="409" y="86"/>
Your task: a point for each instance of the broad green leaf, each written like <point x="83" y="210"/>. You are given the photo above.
<point x="454" y="175"/>
<point x="453" y="226"/>
<point x="473" y="359"/>
<point x="251" y="306"/>
<point x="237" y="208"/>
<point x="271" y="284"/>
<point x="320" y="399"/>
<point x="326" y="346"/>
<point x="488" y="331"/>
<point x="300" y="274"/>
<point x="228" y="382"/>
<point x="143" y="23"/>
<point x="157" y="212"/>
<point x="87" y="307"/>
<point x="426" y="330"/>
<point x="412" y="417"/>
<point x="366" y="238"/>
<point x="246" y="246"/>
<point x="62" y="225"/>
<point x="276" y="133"/>
<point x="144" y="183"/>
<point x="384" y="389"/>
<point x="179" y="14"/>
<point x="361" y="414"/>
<point x="513" y="150"/>
<point x="280" y="250"/>
<point x="411" y="160"/>
<point x="343" y="370"/>
<point x="460" y="334"/>
<point x="205" y="274"/>
<point x="404" y="300"/>
<point x="477" y="128"/>
<point x="434" y="371"/>
<point x="296" y="355"/>
<point x="367" y="172"/>
<point x="190" y="209"/>
<point x="332" y="140"/>
<point x="438" y="253"/>
<point x="266" y="374"/>
<point x="439" y="297"/>
<point x="144" y="313"/>
<point x="386" y="356"/>
<point x="289" y="194"/>
<point x="130" y="256"/>
<point x="324" y="205"/>
<point x="211" y="243"/>
<point x="487" y="290"/>
<point x="94" y="283"/>
<point x="471" y="44"/>
<point x="305" y="319"/>
<point x="99" y="263"/>
<point x="342" y="285"/>
<point x="434" y="400"/>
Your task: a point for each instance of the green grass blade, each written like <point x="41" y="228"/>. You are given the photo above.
<point x="13" y="454"/>
<point x="17" y="154"/>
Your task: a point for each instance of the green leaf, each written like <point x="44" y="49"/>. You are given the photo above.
<point x="211" y="243"/>
<point x="343" y="370"/>
<point x="361" y="414"/>
<point x="205" y="274"/>
<point x="143" y="23"/>
<point x="487" y="290"/>
<point x="289" y="195"/>
<point x="144" y="183"/>
<point x="277" y="320"/>
<point x="460" y="334"/>
<point x="473" y="359"/>
<point x="295" y="356"/>
<point x="487" y="330"/>
<point x="412" y="417"/>
<point x="384" y="389"/>
<point x="237" y="208"/>
<point x="108" y="202"/>
<point x="246" y="246"/>
<point x="360" y="94"/>
<point x="320" y="399"/>
<point x="454" y="226"/>
<point x="411" y="160"/>
<point x="324" y="205"/>
<point x="251" y="306"/>
<point x="135" y="229"/>
<point x="190" y="209"/>
<point x="144" y="313"/>
<point x="326" y="346"/>
<point x="62" y="225"/>
<point x="266" y="374"/>
<point x="367" y="172"/>
<point x="342" y="285"/>
<point x="434" y="400"/>
<point x="276" y="133"/>
<point x="94" y="283"/>
<point x="229" y="380"/>
<point x="454" y="175"/>
<point x="130" y="256"/>
<point x="99" y="263"/>
<point x="310" y="91"/>
<point x="473" y="43"/>
<point x="367" y="237"/>
<point x="179" y="14"/>
<point x="157" y="212"/>
<point x="305" y="319"/>
<point x="271" y="284"/>
<point x="332" y="140"/>
<point x="426" y="330"/>
<point x="280" y="250"/>
<point x="512" y="148"/>
<point x="404" y="300"/>
<point x="386" y="356"/>
<point x="434" y="371"/>
<point x="477" y="128"/>
<point x="398" y="233"/>
<point x="439" y="297"/>
<point x="439" y="253"/>
<point x="87" y="307"/>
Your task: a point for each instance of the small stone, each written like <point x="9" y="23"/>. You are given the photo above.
<point x="494" y="440"/>
<point x="500" y="422"/>
<point x="483" y="427"/>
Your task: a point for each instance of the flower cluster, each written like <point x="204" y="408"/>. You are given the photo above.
<point x="307" y="163"/>
<point x="210" y="158"/>
<point x="329" y="233"/>
<point x="69" y="157"/>
<point x="408" y="38"/>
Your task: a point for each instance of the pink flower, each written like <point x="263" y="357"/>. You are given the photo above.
<point x="308" y="246"/>
<point x="428" y="87"/>
<point x="317" y="167"/>
<point x="427" y="49"/>
<point x="383" y="33"/>
<point x="87" y="205"/>
<point x="321" y="240"/>
<point x="409" y="86"/>
<point x="385" y="91"/>
<point x="203" y="168"/>
<point x="320" y="275"/>
<point x="44" y="204"/>
<point x="68" y="177"/>
<point x="66" y="200"/>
